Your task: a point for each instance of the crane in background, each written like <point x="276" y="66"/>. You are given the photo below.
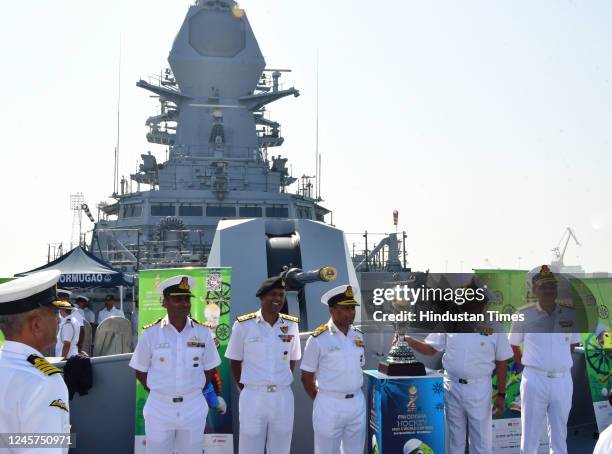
<point x="560" y="253"/>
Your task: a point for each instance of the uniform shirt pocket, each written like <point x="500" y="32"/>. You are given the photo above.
<point x="161" y="358"/>
<point x="334" y="359"/>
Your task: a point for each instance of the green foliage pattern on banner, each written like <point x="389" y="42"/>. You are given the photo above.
<point x="598" y="345"/>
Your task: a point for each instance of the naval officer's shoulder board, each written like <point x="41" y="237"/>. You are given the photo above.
<point x="152" y="324"/>
<point x="245" y="317"/>
<point x="291" y="318"/>
<point x="43" y="365"/>
<point x="198" y="322"/>
<point x="319" y="330"/>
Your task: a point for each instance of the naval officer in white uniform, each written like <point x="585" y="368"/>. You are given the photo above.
<point x="332" y="376"/>
<point x="469" y="360"/>
<point x="32" y="391"/>
<point x="109" y="310"/>
<point x="174" y="359"/>
<point x="548" y="339"/>
<point x="263" y="349"/>
<point x="67" y="334"/>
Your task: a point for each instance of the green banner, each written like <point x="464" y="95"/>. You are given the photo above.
<point x="598" y="349"/>
<point x="210" y="305"/>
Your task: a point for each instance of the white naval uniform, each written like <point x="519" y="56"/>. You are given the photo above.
<point x="78" y="316"/>
<point x="89" y="315"/>
<point x="32" y="401"/>
<point x="266" y="402"/>
<point x="339" y="411"/>
<point x="68" y="331"/>
<point x="469" y="360"/>
<point x="105" y="313"/>
<point x="604" y="443"/>
<point x="175" y="410"/>
<point x="546" y="386"/>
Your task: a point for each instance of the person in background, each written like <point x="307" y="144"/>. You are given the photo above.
<point x="83" y="303"/>
<point x="67" y="334"/>
<point x="109" y="310"/>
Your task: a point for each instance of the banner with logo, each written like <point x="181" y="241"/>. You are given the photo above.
<point x="405" y="414"/>
<point x="2" y="280"/>
<point x="598" y="349"/>
<point x="211" y="305"/>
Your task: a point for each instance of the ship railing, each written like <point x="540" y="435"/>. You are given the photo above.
<point x="373" y="252"/>
<point x="217" y="152"/>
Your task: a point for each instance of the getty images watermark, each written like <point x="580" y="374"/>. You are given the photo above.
<point x="408" y="305"/>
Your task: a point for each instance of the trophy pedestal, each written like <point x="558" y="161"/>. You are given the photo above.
<point x="414" y="369"/>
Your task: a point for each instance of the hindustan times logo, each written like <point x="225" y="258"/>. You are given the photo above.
<point x="412" y="295"/>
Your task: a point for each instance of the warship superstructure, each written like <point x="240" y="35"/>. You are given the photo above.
<point x="219" y="140"/>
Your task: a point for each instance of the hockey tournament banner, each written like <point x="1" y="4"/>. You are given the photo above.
<point x="405" y="414"/>
<point x="509" y="290"/>
<point x="598" y="349"/>
<point x="211" y="305"/>
<point x="2" y="280"/>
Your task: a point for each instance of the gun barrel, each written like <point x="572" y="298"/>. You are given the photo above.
<point x="297" y="278"/>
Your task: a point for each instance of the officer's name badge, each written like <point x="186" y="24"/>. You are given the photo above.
<point x="196" y="344"/>
<point x="566" y="323"/>
<point x="286" y="337"/>
<point x="359" y="342"/>
<point x="164" y="345"/>
<point x="334" y="348"/>
<point x="59" y="403"/>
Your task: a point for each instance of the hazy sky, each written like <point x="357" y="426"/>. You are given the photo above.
<point x="486" y="124"/>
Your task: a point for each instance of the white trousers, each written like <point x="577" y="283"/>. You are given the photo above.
<point x="339" y="424"/>
<point x="545" y="398"/>
<point x="266" y="421"/>
<point x="175" y="427"/>
<point x="468" y="408"/>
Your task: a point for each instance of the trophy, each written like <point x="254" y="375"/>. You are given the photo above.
<point x="401" y="360"/>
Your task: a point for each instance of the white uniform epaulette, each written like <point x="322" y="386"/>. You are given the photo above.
<point x="43" y="365"/>
<point x="290" y="318"/>
<point x="152" y="324"/>
<point x="245" y="317"/>
<point x="197" y="322"/>
<point x="319" y="330"/>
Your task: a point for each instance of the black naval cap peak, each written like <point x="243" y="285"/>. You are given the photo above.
<point x="180" y="285"/>
<point x="340" y="296"/>
<point x="27" y="293"/>
<point x="270" y="284"/>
